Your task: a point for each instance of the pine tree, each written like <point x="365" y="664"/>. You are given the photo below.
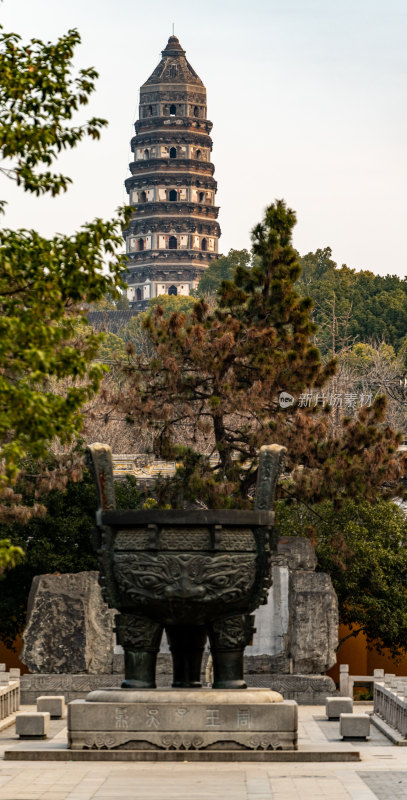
<point x="211" y="390"/>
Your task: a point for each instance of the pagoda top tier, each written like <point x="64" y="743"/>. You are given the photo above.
<point x="173" y="67"/>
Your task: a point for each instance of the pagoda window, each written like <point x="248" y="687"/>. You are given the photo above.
<point x="204" y="244"/>
<point x="173" y="290"/>
<point x="143" y="197"/>
<point x="198" y="154"/>
<point x="201" y="197"/>
<point x="172" y="243"/>
<point x="173" y="111"/>
<point x="150" y="111"/>
<point x="146" y="154"/>
<point x="140" y="243"/>
<point x="173" y="152"/>
<point x="139" y="294"/>
<point x="173" y="71"/>
<point x="173" y="195"/>
<point x="196" y="111"/>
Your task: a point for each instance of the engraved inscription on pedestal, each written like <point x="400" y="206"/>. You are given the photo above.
<point x="122" y="720"/>
<point x="153" y="718"/>
<point x="212" y="717"/>
<point x="243" y="717"/>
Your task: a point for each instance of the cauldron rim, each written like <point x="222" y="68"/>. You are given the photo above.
<point x="224" y="517"/>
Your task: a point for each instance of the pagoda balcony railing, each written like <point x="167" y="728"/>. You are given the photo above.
<point x="159" y="123"/>
<point x="176" y="207"/>
<point x="176" y="164"/>
<point x="172" y="225"/>
<point x="163" y="255"/>
<point x="146" y="180"/>
<point x="170" y="138"/>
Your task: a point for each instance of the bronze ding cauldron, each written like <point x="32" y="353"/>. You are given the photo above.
<point x="194" y="573"/>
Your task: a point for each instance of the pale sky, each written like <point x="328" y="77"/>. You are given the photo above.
<point x="307" y="99"/>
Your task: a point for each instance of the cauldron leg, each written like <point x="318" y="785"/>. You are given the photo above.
<point x="187" y="644"/>
<point x="140" y="637"/>
<point x="228" y="638"/>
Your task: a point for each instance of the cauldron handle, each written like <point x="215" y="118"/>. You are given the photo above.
<point x="99" y="461"/>
<point x="271" y="461"/>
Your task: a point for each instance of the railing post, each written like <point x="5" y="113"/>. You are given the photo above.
<point x="344" y="680"/>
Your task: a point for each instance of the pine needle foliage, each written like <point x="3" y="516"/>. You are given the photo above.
<point x="210" y="392"/>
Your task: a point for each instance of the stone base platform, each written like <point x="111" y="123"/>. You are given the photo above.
<point x="308" y="690"/>
<point x="72" y="686"/>
<point x="183" y="720"/>
<point x="304" y="689"/>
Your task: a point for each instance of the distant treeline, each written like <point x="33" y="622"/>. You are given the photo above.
<point x="358" y="305"/>
<point x="350" y="306"/>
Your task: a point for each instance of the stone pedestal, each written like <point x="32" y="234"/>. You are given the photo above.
<point x="183" y="719"/>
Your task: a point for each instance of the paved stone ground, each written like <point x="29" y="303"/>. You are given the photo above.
<point x="386" y="785"/>
<point x="381" y="775"/>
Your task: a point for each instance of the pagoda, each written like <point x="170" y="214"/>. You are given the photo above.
<point x="173" y="232"/>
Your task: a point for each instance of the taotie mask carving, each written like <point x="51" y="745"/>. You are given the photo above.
<point x="185" y="576"/>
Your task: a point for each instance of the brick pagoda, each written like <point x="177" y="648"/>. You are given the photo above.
<point x="173" y="233"/>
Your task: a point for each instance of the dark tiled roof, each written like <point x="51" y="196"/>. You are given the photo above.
<point x="173" y="56"/>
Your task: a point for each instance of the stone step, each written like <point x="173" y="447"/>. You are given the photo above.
<point x="299" y="756"/>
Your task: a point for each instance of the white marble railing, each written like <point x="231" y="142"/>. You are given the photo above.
<point x="390" y="702"/>
<point x="9" y="698"/>
<point x="347" y="681"/>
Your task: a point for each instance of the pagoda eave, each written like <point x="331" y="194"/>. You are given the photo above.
<point x="158" y="124"/>
<point x="171" y="137"/>
<point x="188" y="165"/>
<point x="198" y="211"/>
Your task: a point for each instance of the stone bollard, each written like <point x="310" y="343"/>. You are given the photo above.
<point x="54" y="704"/>
<point x="32" y="725"/>
<point x="335" y="706"/>
<point x="354" y="726"/>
